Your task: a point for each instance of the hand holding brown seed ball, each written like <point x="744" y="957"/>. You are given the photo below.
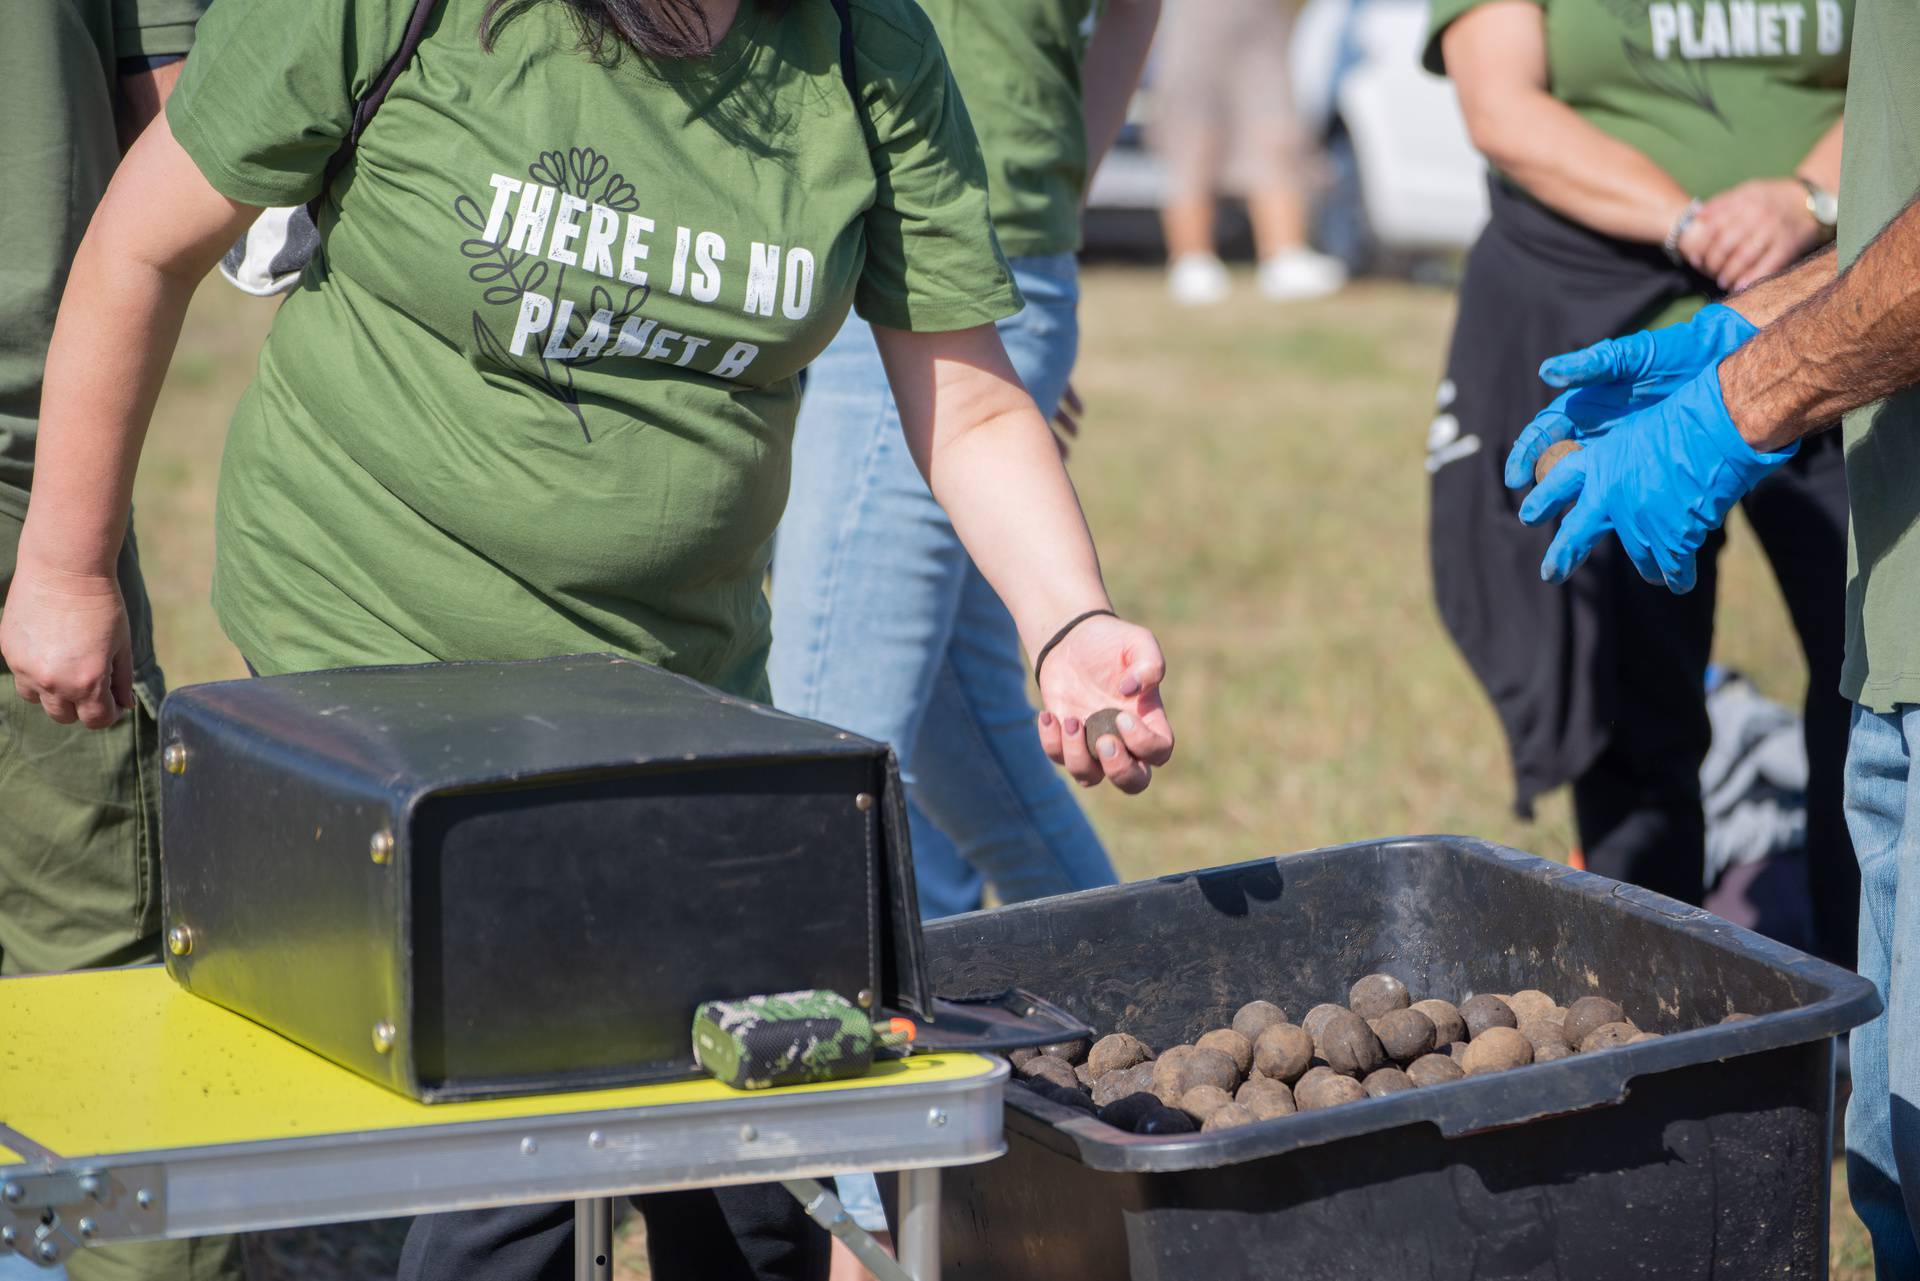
<point x="1378" y="994"/>
<point x="1099" y="725"/>
<point x="1233" y="1045"/>
<point x="1405" y="1034"/>
<point x="1433" y="1069"/>
<point x="1486" y="1011"/>
<point x="1608" y="1035"/>
<point x="1255" y="1017"/>
<point x="1448" y="1026"/>
<point x="1283" y="1052"/>
<point x="1226" y="1118"/>
<point x="1112" y="1053"/>
<point x="1550" y="456"/>
<point x="1588" y="1013"/>
<point x="1497" y="1049"/>
<point x="1348" y="1045"/>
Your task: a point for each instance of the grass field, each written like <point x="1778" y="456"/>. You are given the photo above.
<point x="1255" y="477"/>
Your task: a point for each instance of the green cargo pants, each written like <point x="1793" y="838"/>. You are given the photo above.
<point x="80" y="870"/>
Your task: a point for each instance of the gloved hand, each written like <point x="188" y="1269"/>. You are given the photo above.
<point x="1615" y="377"/>
<point x="1662" y="479"/>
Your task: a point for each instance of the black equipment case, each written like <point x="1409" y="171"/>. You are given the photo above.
<point x="488" y="878"/>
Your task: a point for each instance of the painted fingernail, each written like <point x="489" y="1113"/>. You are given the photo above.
<point x="1109" y="745"/>
<point x="1046" y="719"/>
<point x="1071" y="725"/>
<point x="1129" y="685"/>
<point x="1125" y="721"/>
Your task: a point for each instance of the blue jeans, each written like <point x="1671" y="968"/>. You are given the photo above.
<point x="1883" y="1118"/>
<point x="882" y="625"/>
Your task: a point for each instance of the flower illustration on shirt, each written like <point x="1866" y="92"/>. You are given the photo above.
<point x="507" y="275"/>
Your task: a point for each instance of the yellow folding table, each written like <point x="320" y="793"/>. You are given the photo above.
<point x="131" y="1110"/>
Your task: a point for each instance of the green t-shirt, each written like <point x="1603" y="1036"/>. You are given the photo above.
<point x="538" y="394"/>
<point x="58" y="80"/>
<point x="1715" y="92"/>
<point x="1018" y="63"/>
<point x="1880" y="173"/>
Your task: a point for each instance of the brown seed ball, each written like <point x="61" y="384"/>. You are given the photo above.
<point x="1112" y="1053"/>
<point x="1588" y="1013"/>
<point x="1433" y="1069"/>
<point x="1496" y="1050"/>
<point x="1542" y="1034"/>
<point x="1283" y="1052"/>
<point x="1074" y="1052"/>
<point x="1225" y="1118"/>
<point x="1233" y="1045"/>
<point x="1388" y="1080"/>
<point x="1529" y="1004"/>
<point x="1185" y="1066"/>
<point x="1548" y="1052"/>
<point x="1348" y="1045"/>
<point x="1485" y="1011"/>
<point x="1405" y="1034"/>
<point x="1377" y="994"/>
<point x="1736" y="1017"/>
<point x="1115" y="1086"/>
<point x="1314" y="1075"/>
<point x="1327" y="1091"/>
<point x="1265" y="1098"/>
<point x="1557" y="1016"/>
<point x="1021" y="1057"/>
<point x="1255" y="1017"/>
<point x="1448" y="1026"/>
<point x="1202" y="1101"/>
<point x="1551" y="455"/>
<point x="1638" y="1037"/>
<point x="1458" y="1051"/>
<point x="1050" y="1067"/>
<point x="1608" y="1035"/>
<point x="1317" y="1017"/>
<point x="1085" y="1076"/>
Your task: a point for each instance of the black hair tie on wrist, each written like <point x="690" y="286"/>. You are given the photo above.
<point x="1062" y="635"/>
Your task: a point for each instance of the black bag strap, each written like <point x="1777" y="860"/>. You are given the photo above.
<point x="376" y="94"/>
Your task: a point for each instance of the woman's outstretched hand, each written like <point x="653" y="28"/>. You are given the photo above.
<point x="1103" y="663"/>
<point x="65" y="640"/>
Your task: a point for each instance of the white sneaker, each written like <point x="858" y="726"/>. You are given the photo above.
<point x="1294" y="274"/>
<point x="1198" y="280"/>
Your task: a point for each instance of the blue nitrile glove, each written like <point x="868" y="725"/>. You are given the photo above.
<point x="1615" y="377"/>
<point x="1662" y="480"/>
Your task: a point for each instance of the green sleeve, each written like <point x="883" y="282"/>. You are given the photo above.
<point x="268" y="93"/>
<point x="1440" y="16"/>
<point x="154" y="28"/>
<point x="933" y="262"/>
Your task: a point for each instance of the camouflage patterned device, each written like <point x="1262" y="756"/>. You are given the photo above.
<point x="787" y="1039"/>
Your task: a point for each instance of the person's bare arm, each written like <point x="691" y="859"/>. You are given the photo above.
<point x="1845" y="343"/>
<point x="141" y="96"/>
<point x="157" y="233"/>
<point x="1496" y="56"/>
<point x="1116" y="56"/>
<point x="1767" y="301"/>
<point x="991" y="462"/>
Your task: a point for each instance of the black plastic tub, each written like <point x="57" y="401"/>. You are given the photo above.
<point x="1704" y="1153"/>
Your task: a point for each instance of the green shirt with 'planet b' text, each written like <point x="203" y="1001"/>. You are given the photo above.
<point x="1880" y="173"/>
<point x="1018" y="63"/>
<point x="1715" y="92"/>
<point x="537" y="394"/>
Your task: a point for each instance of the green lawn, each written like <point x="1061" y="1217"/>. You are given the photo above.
<point x="1255" y="478"/>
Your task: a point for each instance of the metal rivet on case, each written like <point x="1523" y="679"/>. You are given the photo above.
<point x="175" y="758"/>
<point x="380" y="846"/>
<point x="90" y="1184"/>
<point x="383" y="1035"/>
<point x="748" y="1134"/>
<point x="179" y="940"/>
<point x="48" y="1251"/>
<point x="11" y="1193"/>
<point x="937" y="1118"/>
<point x="864" y="801"/>
<point x="596" y="1140"/>
<point x="529" y="1145"/>
<point x="88" y="1227"/>
<point x="864" y="1000"/>
<point x="144" y="1198"/>
<point x="7" y="1235"/>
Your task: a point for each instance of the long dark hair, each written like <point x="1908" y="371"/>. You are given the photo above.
<point x="651" y="28"/>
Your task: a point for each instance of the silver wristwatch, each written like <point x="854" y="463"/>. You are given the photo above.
<point x="1824" y="205"/>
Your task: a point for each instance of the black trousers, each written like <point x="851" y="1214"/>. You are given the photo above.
<point x="1638" y="807"/>
<point x="756" y="1233"/>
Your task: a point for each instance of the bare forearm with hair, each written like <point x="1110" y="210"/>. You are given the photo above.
<point x="1767" y="301"/>
<point x="1116" y="56"/>
<point x="1850" y="341"/>
<point x="990" y="460"/>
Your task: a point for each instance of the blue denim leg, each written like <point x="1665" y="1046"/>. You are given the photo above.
<point x="870" y="585"/>
<point x="1883" y="1128"/>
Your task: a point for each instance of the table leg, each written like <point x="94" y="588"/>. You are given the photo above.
<point x="593" y="1239"/>
<point x="824" y="1208"/>
<point x="919" y="1238"/>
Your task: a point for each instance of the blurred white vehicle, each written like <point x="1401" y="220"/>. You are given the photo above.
<point x="1403" y="180"/>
